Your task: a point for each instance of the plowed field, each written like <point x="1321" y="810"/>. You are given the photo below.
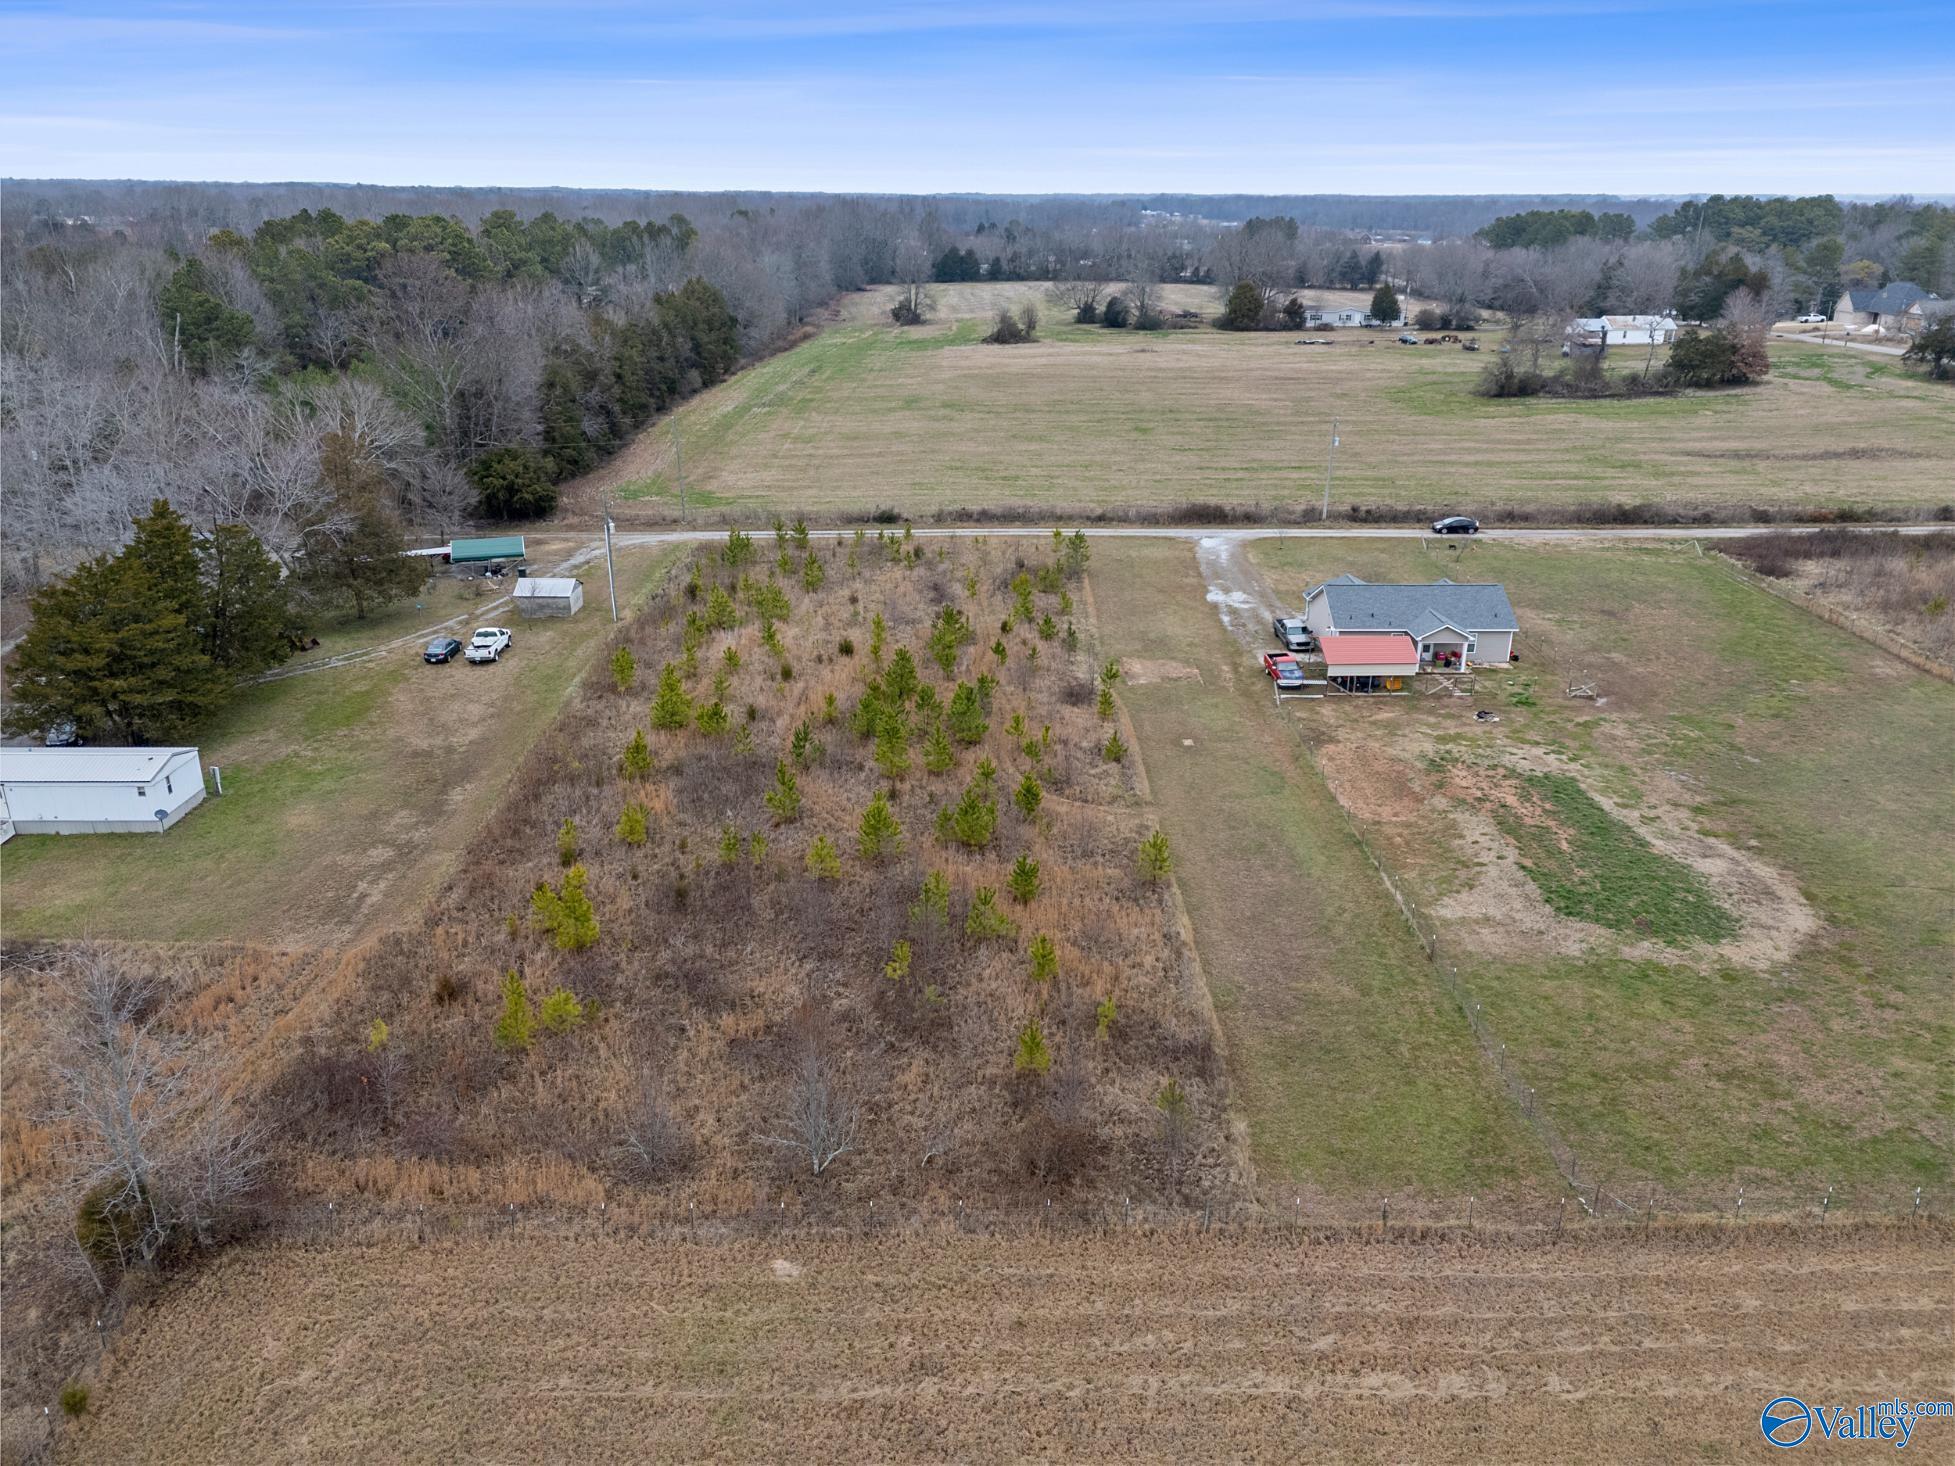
<point x="1605" y="1346"/>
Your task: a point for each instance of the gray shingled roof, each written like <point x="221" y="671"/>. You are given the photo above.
<point x="1889" y="299"/>
<point x="1417" y="610"/>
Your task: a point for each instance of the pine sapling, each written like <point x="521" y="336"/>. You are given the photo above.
<point x="1032" y="1056"/>
<point x="824" y="863"/>
<point x="1023" y="882"/>
<point x="514" y="1027"/>
<point x="1045" y="958"/>
<point x="624" y="668"/>
<point x="880" y="834"/>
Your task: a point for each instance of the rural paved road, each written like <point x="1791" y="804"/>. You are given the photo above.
<point x="1226" y="571"/>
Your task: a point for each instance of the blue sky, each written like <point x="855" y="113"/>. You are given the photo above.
<point x="1406" y="96"/>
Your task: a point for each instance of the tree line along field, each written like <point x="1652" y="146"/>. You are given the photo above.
<point x="929" y="420"/>
<point x="1644" y="1346"/>
<point x="1707" y="911"/>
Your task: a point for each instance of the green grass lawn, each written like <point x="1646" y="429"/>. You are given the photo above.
<point x="346" y="792"/>
<point x="1781" y="736"/>
<point x="1355" y="1072"/>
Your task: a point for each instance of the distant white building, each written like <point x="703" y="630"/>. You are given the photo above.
<point x="549" y="595"/>
<point x="1623" y="331"/>
<point x="1349" y="315"/>
<point x="94" y="791"/>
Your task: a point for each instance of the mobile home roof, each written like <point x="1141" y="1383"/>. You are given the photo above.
<point x="85" y="765"/>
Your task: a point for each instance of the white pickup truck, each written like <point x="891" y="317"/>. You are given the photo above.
<point x="488" y="644"/>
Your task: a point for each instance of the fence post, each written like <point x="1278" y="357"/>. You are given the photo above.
<point x="1917" y="1204"/>
<point x="1469" y="1213"/>
<point x="1827" y="1204"/>
<point x="1741" y="1203"/>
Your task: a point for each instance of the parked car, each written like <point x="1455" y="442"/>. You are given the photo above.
<point x="1813" y="319"/>
<point x="1283" y="669"/>
<point x="442" y="649"/>
<point x="489" y="643"/>
<point x="61" y="735"/>
<point x="1294" y="634"/>
<point x="1406" y="338"/>
<point x="1456" y="524"/>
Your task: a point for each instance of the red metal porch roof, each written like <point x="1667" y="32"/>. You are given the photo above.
<point x="1393" y="649"/>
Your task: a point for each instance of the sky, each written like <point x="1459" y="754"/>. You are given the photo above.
<point x="909" y="96"/>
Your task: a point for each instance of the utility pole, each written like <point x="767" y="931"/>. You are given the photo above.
<point x="1330" y="468"/>
<point x="610" y="570"/>
<point x="679" y="455"/>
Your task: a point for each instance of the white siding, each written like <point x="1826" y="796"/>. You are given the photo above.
<point x="1495" y="648"/>
<point x="52" y="806"/>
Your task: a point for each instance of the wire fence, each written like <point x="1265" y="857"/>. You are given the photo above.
<point x="329" y="1223"/>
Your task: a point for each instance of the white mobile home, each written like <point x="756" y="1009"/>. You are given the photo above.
<point x="549" y="595"/>
<point x="94" y="791"/>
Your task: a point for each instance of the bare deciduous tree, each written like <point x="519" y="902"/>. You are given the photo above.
<point x="820" y="1120"/>
<point x="156" y="1153"/>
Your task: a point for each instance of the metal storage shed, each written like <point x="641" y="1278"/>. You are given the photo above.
<point x="498" y="547"/>
<point x="92" y="791"/>
<point x="549" y="595"/>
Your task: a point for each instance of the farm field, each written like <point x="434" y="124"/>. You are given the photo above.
<point x="929" y="421"/>
<point x="347" y="789"/>
<point x="1708" y="911"/>
<point x="1592" y="1345"/>
<point x="1355" y="1075"/>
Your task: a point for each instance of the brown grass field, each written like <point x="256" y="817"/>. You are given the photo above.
<point x="1610" y="1346"/>
<point x="930" y="421"/>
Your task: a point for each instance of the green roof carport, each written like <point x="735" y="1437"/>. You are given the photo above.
<point x="500" y="547"/>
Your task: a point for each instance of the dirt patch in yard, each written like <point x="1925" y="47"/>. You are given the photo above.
<point x="1141" y="671"/>
<point x="1460" y="824"/>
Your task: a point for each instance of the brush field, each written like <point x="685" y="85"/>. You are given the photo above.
<point x="930" y="421"/>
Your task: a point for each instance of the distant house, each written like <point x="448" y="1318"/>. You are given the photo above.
<point x="1924" y="313"/>
<point x="90" y="791"/>
<point x="1595" y="331"/>
<point x="549" y="595"/>
<point x="1449" y="623"/>
<point x="1349" y="315"/>
<point x="1884" y="309"/>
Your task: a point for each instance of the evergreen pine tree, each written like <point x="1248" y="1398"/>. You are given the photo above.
<point x="671" y="707"/>
<point x="879" y="834"/>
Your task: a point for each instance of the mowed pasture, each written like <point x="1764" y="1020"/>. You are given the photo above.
<point x="931" y="421"/>
<point x="1707" y="911"/>
<point x="1590" y="1345"/>
<point x="348" y="789"/>
<point x="1354" y="1073"/>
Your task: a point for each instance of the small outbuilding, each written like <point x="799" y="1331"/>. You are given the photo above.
<point x="477" y="552"/>
<point x="94" y="791"/>
<point x="549" y="595"/>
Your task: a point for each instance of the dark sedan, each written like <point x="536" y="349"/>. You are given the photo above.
<point x="442" y="649"/>
<point x="1456" y="524"/>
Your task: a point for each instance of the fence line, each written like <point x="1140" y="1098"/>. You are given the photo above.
<point x="1518" y="1092"/>
<point x="1847" y="621"/>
